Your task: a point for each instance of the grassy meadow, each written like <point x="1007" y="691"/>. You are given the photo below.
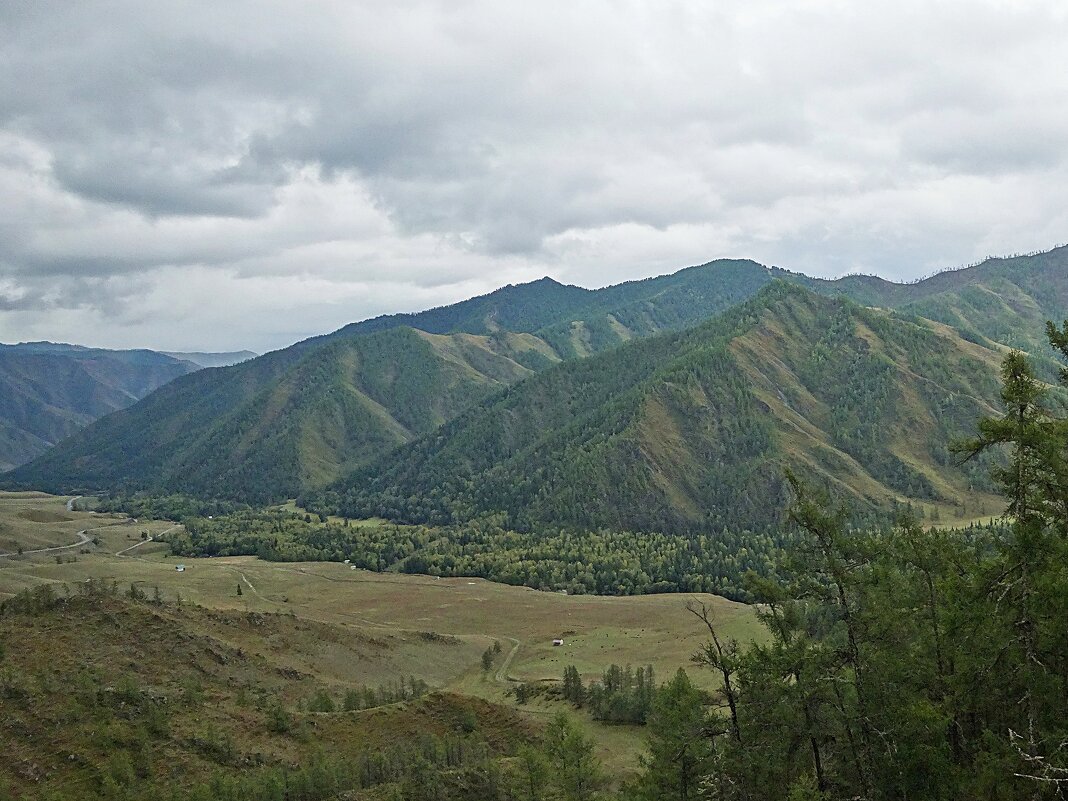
<point x="32" y="520"/>
<point x="335" y="627"/>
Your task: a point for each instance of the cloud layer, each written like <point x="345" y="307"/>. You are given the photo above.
<point x="223" y="175"/>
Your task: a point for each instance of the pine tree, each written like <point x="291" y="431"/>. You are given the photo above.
<point x="679" y="749"/>
<point x="1028" y="583"/>
<point x="573" y="689"/>
<point x="570" y="753"/>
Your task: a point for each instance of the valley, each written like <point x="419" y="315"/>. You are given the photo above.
<point x="638" y="630"/>
<point x="50" y="390"/>
<point x="534" y="402"/>
<point x="332" y="627"/>
<point x="391" y="563"/>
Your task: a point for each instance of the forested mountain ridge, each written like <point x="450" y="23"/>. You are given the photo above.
<point x="1001" y="300"/>
<point x="576" y="322"/>
<point x="217" y="433"/>
<point x="48" y="391"/>
<point x="523" y="308"/>
<point x="656" y="305"/>
<point x="268" y="428"/>
<point x="693" y="431"/>
<point x="216" y="438"/>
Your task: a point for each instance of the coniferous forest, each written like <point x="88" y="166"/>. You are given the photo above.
<point x="579" y="562"/>
<point x="901" y="661"/>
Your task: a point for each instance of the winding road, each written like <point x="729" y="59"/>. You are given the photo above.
<point x="135" y="545"/>
<point x="501" y="676"/>
<point x="83" y="539"/>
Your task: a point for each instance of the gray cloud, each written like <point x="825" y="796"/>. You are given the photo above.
<point x="204" y="175"/>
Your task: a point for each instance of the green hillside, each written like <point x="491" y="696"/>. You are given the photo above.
<point x="1002" y="300"/>
<point x="576" y="322"/>
<point x="639" y="309"/>
<point x="693" y="431"/>
<point x="298" y="418"/>
<point x="269" y="427"/>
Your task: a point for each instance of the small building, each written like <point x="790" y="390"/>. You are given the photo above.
<point x="558" y="642"/>
<point x="180" y="568"/>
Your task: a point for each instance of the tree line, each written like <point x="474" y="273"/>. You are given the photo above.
<point x="599" y="562"/>
<point x="621" y="695"/>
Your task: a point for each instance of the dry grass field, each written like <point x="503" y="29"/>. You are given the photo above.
<point x="344" y="627"/>
<point x="32" y="520"/>
<point x="597" y="630"/>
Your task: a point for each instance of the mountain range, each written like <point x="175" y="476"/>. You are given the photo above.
<point x="49" y="390"/>
<point x="694" y="431"/>
<point x="671" y="403"/>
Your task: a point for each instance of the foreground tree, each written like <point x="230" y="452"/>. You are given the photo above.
<point x="570" y="752"/>
<point x="1026" y="584"/>
<point x="679" y="748"/>
<point x="910" y="663"/>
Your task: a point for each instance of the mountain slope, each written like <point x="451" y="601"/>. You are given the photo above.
<point x="693" y="430"/>
<point x="1001" y="300"/>
<point x="575" y="321"/>
<point x="268" y="428"/>
<point x="258" y="431"/>
<point x="637" y="309"/>
<point x="49" y="391"/>
<point x="522" y="308"/>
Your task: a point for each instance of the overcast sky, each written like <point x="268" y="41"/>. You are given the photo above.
<point x="242" y="175"/>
